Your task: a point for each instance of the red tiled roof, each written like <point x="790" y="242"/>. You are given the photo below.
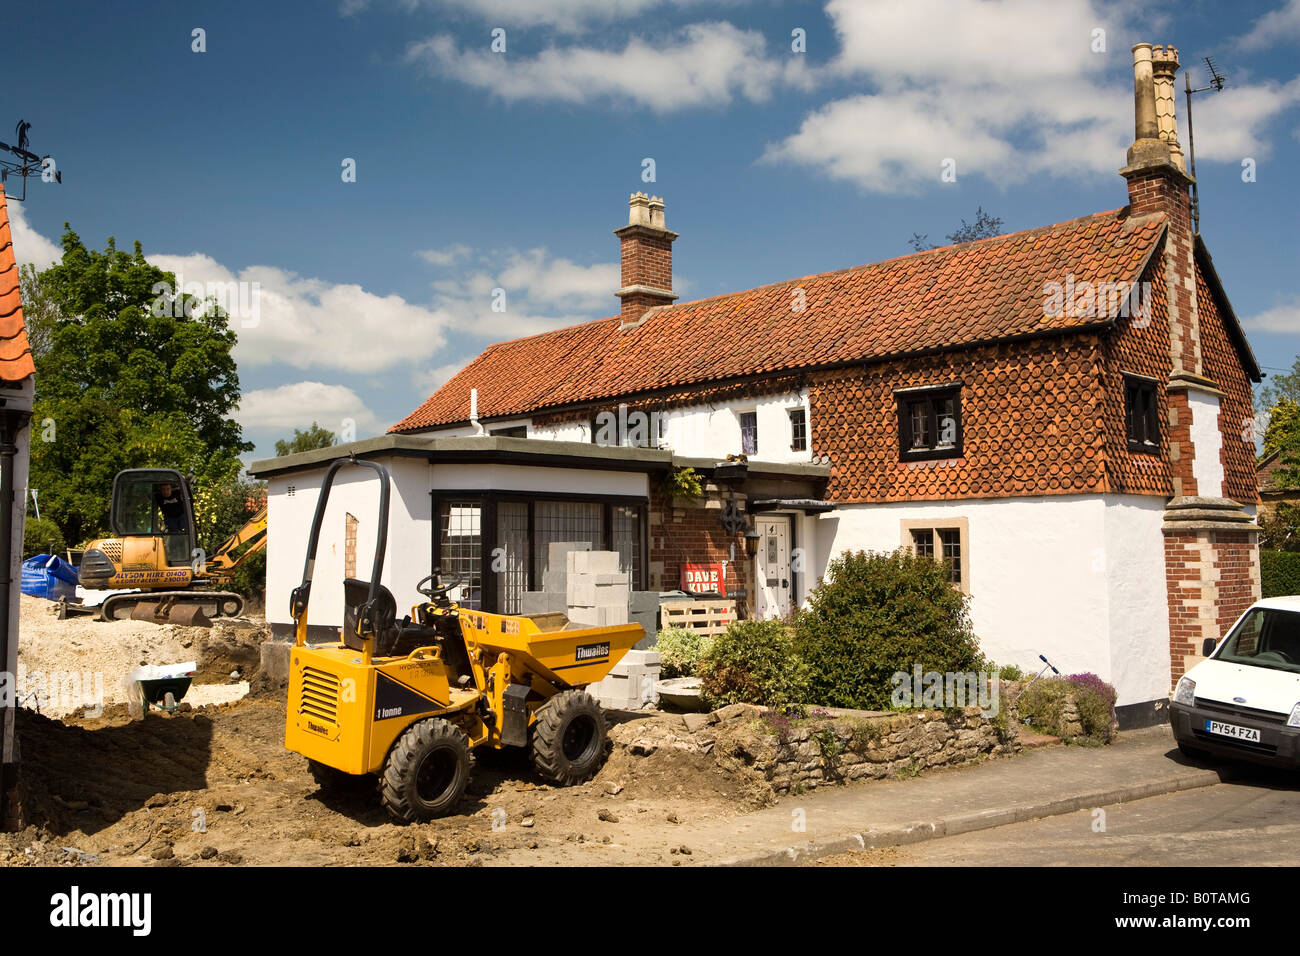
<point x="15" y="353"/>
<point x="981" y="291"/>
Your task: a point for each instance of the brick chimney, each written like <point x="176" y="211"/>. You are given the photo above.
<point x="647" y="259"/>
<point x="1157" y="183"/>
<point x="1211" y="543"/>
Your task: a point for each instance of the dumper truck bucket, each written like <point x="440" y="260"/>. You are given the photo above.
<point x="555" y="650"/>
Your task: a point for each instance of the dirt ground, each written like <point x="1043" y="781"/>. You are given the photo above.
<point x="213" y="785"/>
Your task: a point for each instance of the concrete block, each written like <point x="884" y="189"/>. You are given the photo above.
<point x="557" y="553"/>
<point x="623" y="578"/>
<point x="598" y="616"/>
<point x="540" y="602"/>
<point x="611" y="595"/>
<point x="596" y="562"/>
<point x="581" y="591"/>
<point x="556" y="582"/>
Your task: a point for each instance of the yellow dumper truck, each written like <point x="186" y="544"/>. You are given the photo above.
<point x="407" y="702"/>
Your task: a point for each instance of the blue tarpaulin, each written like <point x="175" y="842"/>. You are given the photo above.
<point x="50" y="577"/>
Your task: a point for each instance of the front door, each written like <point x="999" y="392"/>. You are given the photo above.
<point x="772" y="567"/>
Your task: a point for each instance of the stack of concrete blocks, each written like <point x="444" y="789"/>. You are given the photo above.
<point x="599" y="595"/>
<point x="596" y="592"/>
<point x="554" y="593"/>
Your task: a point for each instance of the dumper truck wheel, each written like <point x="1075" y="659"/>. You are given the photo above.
<point x="427" y="771"/>
<point x="569" y="738"/>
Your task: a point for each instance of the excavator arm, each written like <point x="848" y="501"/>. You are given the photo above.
<point x="239" y="547"/>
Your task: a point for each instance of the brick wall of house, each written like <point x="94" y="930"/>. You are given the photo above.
<point x="1212" y="578"/>
<point x="692" y="532"/>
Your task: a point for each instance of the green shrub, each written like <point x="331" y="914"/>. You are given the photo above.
<point x="42" y="536"/>
<point x="680" y="649"/>
<point x="1010" y="672"/>
<point x="1042" y="706"/>
<point x="1280" y="572"/>
<point x="875" y="615"/>
<point x="753" y="662"/>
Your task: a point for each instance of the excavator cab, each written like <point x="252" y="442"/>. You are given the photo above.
<point x="152" y="510"/>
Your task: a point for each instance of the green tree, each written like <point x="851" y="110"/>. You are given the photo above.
<point x="309" y="440"/>
<point x="128" y="378"/>
<point x="983" y="227"/>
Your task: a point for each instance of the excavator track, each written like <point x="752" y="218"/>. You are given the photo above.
<point x="176" y="607"/>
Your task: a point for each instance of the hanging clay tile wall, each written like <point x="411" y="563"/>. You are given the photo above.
<point x="1028" y="420"/>
<point x="1140" y="349"/>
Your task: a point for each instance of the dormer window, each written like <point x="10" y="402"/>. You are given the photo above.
<point x="929" y="423"/>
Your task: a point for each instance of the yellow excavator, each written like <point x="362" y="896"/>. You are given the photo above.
<point x="153" y="558"/>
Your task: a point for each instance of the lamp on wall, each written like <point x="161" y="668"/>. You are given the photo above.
<point x="752" y="537"/>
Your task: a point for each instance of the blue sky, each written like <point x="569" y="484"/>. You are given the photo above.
<point x="478" y="170"/>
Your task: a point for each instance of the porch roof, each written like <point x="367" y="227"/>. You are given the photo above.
<point x="518" y="451"/>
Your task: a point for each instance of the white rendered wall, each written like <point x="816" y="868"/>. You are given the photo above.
<point x="699" y="431"/>
<point x="355" y="492"/>
<point x="537" y="478"/>
<point x="1139" y="603"/>
<point x="1079" y="578"/>
<point x="1207" y="466"/>
<point x="410" y="523"/>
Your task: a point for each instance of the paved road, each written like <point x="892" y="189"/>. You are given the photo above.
<point x="1251" y="821"/>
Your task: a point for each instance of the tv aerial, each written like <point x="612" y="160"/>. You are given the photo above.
<point x="1217" y="80"/>
<point x="23" y="162"/>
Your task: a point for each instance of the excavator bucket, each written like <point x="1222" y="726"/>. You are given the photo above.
<point x="188" y="615"/>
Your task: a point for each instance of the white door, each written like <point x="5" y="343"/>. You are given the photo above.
<point x="772" y="567"/>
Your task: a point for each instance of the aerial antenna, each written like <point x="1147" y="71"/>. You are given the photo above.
<point x="25" y="163"/>
<point x="1216" y="83"/>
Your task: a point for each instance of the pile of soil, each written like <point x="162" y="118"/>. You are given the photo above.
<point x="102" y="653"/>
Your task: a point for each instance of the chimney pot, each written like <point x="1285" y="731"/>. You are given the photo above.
<point x="638" y="210"/>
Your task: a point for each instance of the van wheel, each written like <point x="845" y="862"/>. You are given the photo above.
<point x="427" y="771"/>
<point x="569" y="738"/>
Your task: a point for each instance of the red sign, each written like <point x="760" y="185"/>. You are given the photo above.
<point x="704" y="578"/>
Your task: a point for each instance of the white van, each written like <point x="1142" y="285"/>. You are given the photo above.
<point x="1243" y="700"/>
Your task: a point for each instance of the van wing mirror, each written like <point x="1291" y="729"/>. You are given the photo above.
<point x="1207" y="647"/>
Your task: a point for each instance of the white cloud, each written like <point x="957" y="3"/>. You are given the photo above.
<point x="30" y="247"/>
<point x="1236" y="122"/>
<point x="539" y="293"/>
<point x="1007" y="88"/>
<point x="1283" y="318"/>
<point x="297" y="405"/>
<point x="445" y="256"/>
<point x="1276" y="26"/>
<point x="428" y="381"/>
<point x="704" y="64"/>
<point x="567" y="16"/>
<point x="308" y="323"/>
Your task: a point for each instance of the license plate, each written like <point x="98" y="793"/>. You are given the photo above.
<point x="1232" y="730"/>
